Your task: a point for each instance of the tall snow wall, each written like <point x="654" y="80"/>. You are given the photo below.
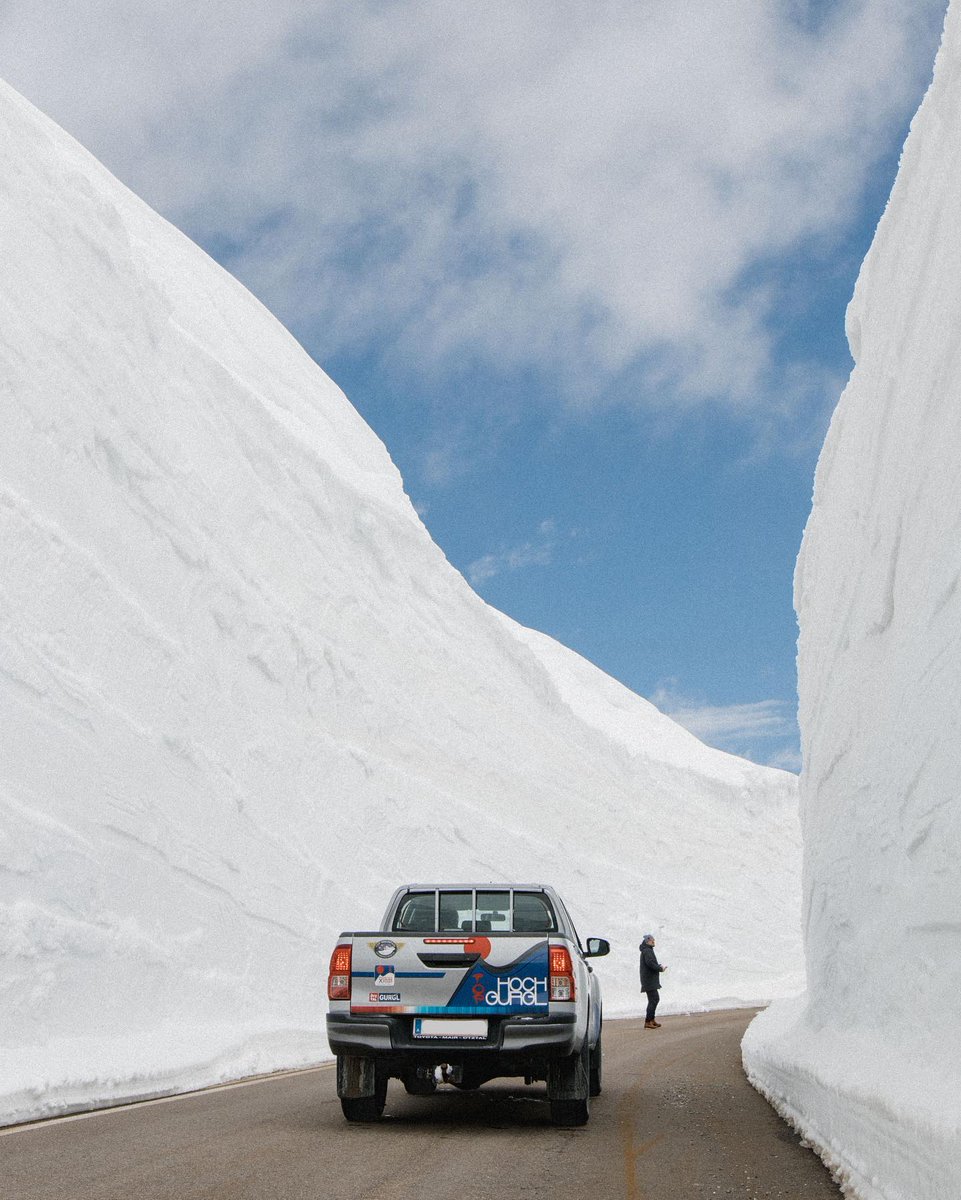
<point x="868" y="1065"/>
<point x="243" y="694"/>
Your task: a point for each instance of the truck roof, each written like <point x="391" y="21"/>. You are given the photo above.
<point x="487" y="885"/>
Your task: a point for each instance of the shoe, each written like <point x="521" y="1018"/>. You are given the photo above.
<point x="655" y="1024"/>
<point x="650" y="1025"/>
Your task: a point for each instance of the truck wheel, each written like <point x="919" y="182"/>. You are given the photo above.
<point x="570" y="1112"/>
<point x="362" y="1108"/>
<point x="366" y="1108"/>
<point x="596" y="1067"/>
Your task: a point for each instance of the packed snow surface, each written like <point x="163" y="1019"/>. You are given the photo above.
<point x="868" y="1064"/>
<point x="244" y="695"/>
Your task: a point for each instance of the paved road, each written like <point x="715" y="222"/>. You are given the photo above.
<point x="676" y="1121"/>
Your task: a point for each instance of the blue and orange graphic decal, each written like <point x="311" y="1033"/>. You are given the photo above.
<point x="516" y="987"/>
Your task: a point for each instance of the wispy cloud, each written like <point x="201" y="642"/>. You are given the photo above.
<point x="594" y="190"/>
<point x="538" y="551"/>
<point x="745" y="729"/>
<point x="788" y="759"/>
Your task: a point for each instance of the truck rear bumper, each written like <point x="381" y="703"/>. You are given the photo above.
<point x="552" y="1036"/>
<point x="354" y="1035"/>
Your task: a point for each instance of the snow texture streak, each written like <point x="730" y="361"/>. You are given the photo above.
<point x="243" y="694"/>
<point x="868" y="1064"/>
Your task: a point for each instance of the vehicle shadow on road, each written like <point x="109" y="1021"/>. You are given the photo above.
<point x="489" y="1107"/>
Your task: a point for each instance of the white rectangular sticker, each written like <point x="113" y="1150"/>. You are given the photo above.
<point x="450" y="1027"/>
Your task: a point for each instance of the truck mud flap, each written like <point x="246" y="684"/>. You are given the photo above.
<point x="356" y="1076"/>
<point x="569" y="1078"/>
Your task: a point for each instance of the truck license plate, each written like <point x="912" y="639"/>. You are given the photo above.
<point x="450" y="1027"/>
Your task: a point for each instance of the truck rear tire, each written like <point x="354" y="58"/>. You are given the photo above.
<point x="364" y="1108"/>
<point x="570" y="1112"/>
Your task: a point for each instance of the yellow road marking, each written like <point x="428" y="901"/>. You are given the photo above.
<point x="632" y="1153"/>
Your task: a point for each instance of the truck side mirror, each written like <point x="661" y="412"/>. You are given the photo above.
<point x="597" y="947"/>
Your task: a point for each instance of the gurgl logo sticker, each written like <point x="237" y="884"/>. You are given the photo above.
<point x="514" y="991"/>
<point x="520" y="986"/>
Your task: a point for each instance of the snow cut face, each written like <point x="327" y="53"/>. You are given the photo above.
<point x="244" y="695"/>
<point x="868" y="1065"/>
<point x="880" y="609"/>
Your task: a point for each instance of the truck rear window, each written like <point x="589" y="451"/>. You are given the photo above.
<point x="493" y="911"/>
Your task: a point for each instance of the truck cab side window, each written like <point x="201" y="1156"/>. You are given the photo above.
<point x="532" y="913"/>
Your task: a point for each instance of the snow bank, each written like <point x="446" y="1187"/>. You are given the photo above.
<point x="869" y="1065"/>
<point x="242" y="693"/>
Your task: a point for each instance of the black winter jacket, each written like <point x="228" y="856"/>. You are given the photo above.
<point x="650" y="968"/>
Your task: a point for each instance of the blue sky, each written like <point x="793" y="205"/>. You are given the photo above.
<point x="582" y="267"/>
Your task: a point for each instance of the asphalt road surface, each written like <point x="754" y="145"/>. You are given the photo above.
<point x="676" y="1121"/>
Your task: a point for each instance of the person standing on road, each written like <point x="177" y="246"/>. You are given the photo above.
<point x="650" y="979"/>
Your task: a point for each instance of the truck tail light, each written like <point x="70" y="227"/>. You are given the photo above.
<point x="338" y="979"/>
<point x="562" y="974"/>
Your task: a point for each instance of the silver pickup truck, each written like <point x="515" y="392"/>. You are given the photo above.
<point x="466" y="983"/>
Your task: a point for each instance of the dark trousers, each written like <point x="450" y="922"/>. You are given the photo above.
<point x="652" y="998"/>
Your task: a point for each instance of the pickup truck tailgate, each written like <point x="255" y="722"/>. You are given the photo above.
<point x="471" y="975"/>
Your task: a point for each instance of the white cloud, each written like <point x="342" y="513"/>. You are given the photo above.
<point x="484" y="568"/>
<point x="788" y="759"/>
<point x="738" y="728"/>
<point x="582" y="187"/>
<point x="538" y="551"/>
